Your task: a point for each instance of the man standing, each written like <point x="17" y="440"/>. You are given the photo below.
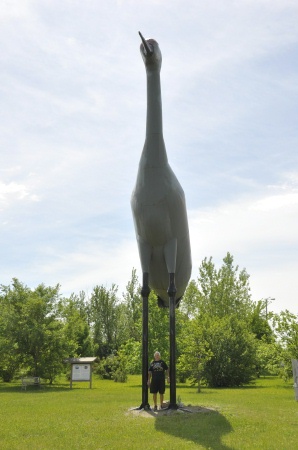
<point x="158" y="369"/>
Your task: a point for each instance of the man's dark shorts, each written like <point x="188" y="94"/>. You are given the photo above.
<point x="157" y="386"/>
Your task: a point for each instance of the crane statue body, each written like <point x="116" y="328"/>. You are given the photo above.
<point x="158" y="201"/>
<point x="160" y="219"/>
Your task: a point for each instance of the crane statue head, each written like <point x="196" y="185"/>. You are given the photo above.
<point x="151" y="54"/>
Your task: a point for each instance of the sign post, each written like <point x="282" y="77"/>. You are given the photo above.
<point x="81" y="369"/>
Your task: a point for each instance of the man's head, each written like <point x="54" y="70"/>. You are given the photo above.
<point x="156" y="356"/>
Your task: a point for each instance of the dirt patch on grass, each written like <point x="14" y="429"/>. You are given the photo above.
<point x="150" y="414"/>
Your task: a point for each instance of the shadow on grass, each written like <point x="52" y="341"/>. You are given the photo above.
<point x="15" y="388"/>
<point x="206" y="429"/>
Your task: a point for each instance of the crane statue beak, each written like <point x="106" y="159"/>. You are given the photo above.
<point x="146" y="46"/>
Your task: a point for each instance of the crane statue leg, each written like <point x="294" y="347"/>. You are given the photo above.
<point x="170" y="252"/>
<point x="145" y="256"/>
<point x="145" y="294"/>
<point x="172" y="292"/>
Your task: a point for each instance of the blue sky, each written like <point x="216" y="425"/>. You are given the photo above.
<point x="73" y="109"/>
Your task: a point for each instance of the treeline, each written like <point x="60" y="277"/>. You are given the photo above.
<point x="223" y="338"/>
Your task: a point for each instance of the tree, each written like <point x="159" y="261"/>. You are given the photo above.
<point x="225" y="291"/>
<point x="270" y="358"/>
<point x="158" y="328"/>
<point x="131" y="352"/>
<point x="32" y="329"/>
<point x="103" y="307"/>
<point x="133" y="308"/>
<point x="74" y="315"/>
<point x="219" y="346"/>
<point x="285" y="326"/>
<point x="190" y="303"/>
<point x="233" y="349"/>
<point x="195" y="353"/>
<point x="10" y="357"/>
<point x="259" y="324"/>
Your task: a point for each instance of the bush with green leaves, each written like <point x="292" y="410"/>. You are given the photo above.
<point x="32" y="331"/>
<point x="233" y="349"/>
<point x="270" y="359"/>
<point x="195" y="352"/>
<point x="131" y="353"/>
<point x="112" y="368"/>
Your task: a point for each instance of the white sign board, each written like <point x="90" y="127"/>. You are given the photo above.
<point x="81" y="372"/>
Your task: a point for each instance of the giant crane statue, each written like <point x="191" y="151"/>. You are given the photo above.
<point x="160" y="219"/>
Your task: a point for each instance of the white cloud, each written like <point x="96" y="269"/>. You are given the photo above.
<point x="276" y="202"/>
<point x="89" y="264"/>
<point x="13" y="192"/>
<point x="261" y="234"/>
<point x="11" y="9"/>
<point x="248" y="222"/>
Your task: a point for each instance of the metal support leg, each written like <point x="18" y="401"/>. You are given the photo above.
<point x="145" y="294"/>
<point x="172" y="292"/>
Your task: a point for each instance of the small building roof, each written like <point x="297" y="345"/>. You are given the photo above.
<point x="84" y="360"/>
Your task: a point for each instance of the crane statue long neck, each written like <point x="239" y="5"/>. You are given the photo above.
<point x="154" y="150"/>
<point x="154" y="105"/>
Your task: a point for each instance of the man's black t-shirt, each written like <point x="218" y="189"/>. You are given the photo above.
<point x="158" y="369"/>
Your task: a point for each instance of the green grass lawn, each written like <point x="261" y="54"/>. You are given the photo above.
<point x="261" y="416"/>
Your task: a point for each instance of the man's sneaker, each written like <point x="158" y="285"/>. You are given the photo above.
<point x="155" y="408"/>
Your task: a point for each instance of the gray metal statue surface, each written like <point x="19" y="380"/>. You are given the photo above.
<point x="158" y="201"/>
